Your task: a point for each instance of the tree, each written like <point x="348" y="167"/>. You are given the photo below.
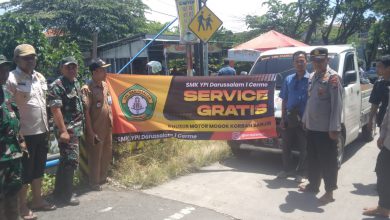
<point x="77" y="20"/>
<point x="289" y="19"/>
<point x="335" y="20"/>
<point x="18" y="29"/>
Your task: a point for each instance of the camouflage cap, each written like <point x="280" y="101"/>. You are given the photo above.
<point x="69" y="60"/>
<point x="3" y="60"/>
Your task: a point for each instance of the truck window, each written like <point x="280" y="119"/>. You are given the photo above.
<point x="349" y="63"/>
<point x="283" y="66"/>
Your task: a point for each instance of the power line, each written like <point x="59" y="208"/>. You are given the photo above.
<point x="159" y="12"/>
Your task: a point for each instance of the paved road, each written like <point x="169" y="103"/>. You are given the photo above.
<point x="112" y="204"/>
<point x="247" y="189"/>
<point x="236" y="189"/>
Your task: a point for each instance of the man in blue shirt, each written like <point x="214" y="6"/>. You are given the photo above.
<point x="294" y="95"/>
<point x="226" y="70"/>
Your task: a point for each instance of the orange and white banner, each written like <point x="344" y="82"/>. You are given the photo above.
<point x="200" y="108"/>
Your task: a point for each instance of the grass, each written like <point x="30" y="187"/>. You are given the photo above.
<point x="145" y="164"/>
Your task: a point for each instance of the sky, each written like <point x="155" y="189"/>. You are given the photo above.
<point x="231" y="12"/>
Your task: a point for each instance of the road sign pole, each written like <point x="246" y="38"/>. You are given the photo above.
<point x="189" y="59"/>
<point x="201" y="50"/>
<point x="205" y="59"/>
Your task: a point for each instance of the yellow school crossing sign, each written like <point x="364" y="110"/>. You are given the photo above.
<point x="205" y="24"/>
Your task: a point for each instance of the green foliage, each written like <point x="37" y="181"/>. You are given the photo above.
<point x="18" y="29"/>
<point x="77" y="20"/>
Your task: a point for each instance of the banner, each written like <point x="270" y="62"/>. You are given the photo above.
<point x="198" y="108"/>
<point x="186" y="10"/>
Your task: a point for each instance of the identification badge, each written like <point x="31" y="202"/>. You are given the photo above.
<point x="98" y="105"/>
<point x="109" y="100"/>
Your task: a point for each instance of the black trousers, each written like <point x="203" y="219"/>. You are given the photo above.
<point x="322" y="160"/>
<point x="294" y="137"/>
<point x="383" y="178"/>
<point x="34" y="164"/>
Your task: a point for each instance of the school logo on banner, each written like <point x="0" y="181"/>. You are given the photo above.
<point x="137" y="103"/>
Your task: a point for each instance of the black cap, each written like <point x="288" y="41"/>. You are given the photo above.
<point x="318" y="53"/>
<point x="69" y="60"/>
<point x="96" y="63"/>
<point x="3" y="60"/>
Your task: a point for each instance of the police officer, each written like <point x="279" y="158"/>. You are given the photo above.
<point x="66" y="106"/>
<point x="322" y="119"/>
<point x="294" y="96"/>
<point x="98" y="120"/>
<point x="11" y="144"/>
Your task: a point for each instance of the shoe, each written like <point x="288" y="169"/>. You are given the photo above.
<point x="282" y="175"/>
<point x="73" y="201"/>
<point x="299" y="179"/>
<point x="96" y="187"/>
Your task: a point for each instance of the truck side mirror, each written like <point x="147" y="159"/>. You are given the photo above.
<point x="349" y="77"/>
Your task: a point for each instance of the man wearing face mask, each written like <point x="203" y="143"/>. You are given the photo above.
<point x="28" y="89"/>
<point x="98" y="117"/>
<point x="322" y="119"/>
<point x="66" y="106"/>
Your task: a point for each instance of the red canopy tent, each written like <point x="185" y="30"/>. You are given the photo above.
<point x="250" y="50"/>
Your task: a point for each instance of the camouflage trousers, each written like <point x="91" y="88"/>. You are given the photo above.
<point x="10" y="177"/>
<point x="69" y="152"/>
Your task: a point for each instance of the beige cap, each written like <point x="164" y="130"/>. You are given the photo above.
<point x="24" y="50"/>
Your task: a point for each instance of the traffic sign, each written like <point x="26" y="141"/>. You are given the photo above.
<point x="205" y="24"/>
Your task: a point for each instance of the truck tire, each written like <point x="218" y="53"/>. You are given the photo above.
<point x="340" y="150"/>
<point x="367" y="134"/>
<point x="236" y="150"/>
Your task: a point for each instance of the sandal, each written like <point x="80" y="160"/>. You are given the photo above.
<point x="44" y="207"/>
<point x="30" y="216"/>
<point x="377" y="211"/>
<point x="307" y="188"/>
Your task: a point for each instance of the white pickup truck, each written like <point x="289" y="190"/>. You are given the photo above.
<point x="356" y="107"/>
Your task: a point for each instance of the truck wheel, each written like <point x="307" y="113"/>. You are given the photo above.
<point x="340" y="150"/>
<point x="367" y="134"/>
<point x="235" y="148"/>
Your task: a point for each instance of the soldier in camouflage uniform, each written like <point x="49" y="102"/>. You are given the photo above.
<point x="10" y="150"/>
<point x="66" y="106"/>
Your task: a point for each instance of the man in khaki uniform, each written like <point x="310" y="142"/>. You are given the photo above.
<point x="97" y="101"/>
<point x="322" y="119"/>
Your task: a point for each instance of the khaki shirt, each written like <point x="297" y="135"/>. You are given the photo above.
<point x="385" y="129"/>
<point x="325" y="103"/>
<point x="98" y="101"/>
<point x="29" y="93"/>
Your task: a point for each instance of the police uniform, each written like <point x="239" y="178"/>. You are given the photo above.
<point x="10" y="154"/>
<point x="97" y="100"/>
<point x="66" y="95"/>
<point x="323" y="114"/>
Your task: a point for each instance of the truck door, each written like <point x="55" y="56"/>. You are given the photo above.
<point x="352" y="100"/>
